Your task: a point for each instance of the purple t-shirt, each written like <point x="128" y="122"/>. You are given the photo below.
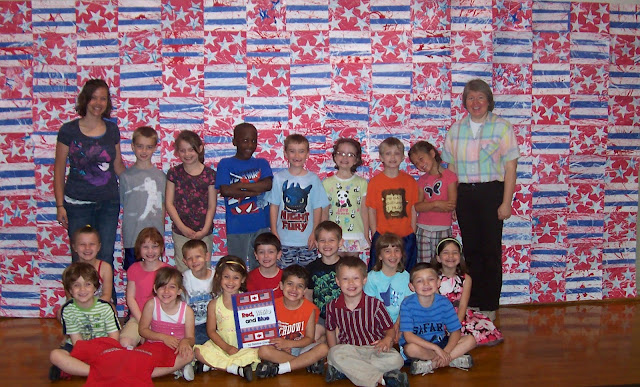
<point x="191" y="196"/>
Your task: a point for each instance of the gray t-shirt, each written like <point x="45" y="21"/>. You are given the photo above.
<point x="142" y="198"/>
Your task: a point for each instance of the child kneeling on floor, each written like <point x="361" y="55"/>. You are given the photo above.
<point x="425" y="319"/>
<point x="296" y="347"/>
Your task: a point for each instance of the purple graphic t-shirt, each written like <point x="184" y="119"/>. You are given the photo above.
<point x="191" y="196"/>
<point x="91" y="173"/>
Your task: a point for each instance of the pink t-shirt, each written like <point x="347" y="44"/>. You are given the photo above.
<point x="435" y="188"/>
<point x="144" y="282"/>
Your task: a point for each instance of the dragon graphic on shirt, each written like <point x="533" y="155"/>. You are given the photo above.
<point x="294" y="216"/>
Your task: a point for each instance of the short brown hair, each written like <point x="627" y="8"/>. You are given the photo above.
<point x="295" y="139"/>
<point x="389" y="240"/>
<point x="88" y="229"/>
<point x="482" y="87"/>
<point x="164" y="275"/>
<point x="77" y="270"/>
<point x="421" y="266"/>
<point x="297" y="271"/>
<point x="193" y="244"/>
<point x="152" y="234"/>
<point x="145" y="131"/>
<point x="267" y="238"/>
<point x="328" y="226"/>
<point x="353" y="263"/>
<point x="391" y="142"/>
<point x="86" y="94"/>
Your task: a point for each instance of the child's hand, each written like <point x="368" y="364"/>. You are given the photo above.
<point x="184" y="349"/>
<point x="188" y="232"/>
<point x="447" y="206"/>
<point x="383" y="345"/>
<point x="442" y="358"/>
<point x="171" y="342"/>
<point x="232" y="350"/>
<point x="200" y="234"/>
<point x="311" y="242"/>
<point x="280" y="343"/>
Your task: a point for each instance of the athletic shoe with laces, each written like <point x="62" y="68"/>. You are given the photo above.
<point x="267" y="369"/>
<point x="421" y="367"/>
<point x="317" y="367"/>
<point x="247" y="372"/>
<point x="333" y="374"/>
<point x="396" y="378"/>
<point x="463" y="362"/>
<point x="188" y="373"/>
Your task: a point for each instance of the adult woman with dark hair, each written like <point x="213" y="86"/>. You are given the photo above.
<point x="91" y="143"/>
<point x="483" y="151"/>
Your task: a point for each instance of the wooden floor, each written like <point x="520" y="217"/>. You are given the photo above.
<point x="569" y="345"/>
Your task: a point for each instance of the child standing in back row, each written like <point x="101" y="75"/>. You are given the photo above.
<point x="243" y="181"/>
<point x="297" y="199"/>
<point x="436" y="199"/>
<point x="142" y="189"/>
<point x="190" y="195"/>
<point x="391" y="197"/>
<point x="346" y="193"/>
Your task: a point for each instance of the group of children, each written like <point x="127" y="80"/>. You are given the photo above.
<point x="307" y="247"/>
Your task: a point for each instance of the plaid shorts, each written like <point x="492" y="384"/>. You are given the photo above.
<point x="300" y="255"/>
<point x="427" y="242"/>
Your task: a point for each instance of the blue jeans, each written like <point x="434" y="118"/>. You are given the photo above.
<point x="103" y="216"/>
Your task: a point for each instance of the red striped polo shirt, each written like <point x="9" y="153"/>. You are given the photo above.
<point x="364" y="325"/>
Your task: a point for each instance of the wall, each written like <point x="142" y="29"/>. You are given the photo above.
<point x="565" y="74"/>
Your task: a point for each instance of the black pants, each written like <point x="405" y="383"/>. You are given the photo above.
<point x="477" y="212"/>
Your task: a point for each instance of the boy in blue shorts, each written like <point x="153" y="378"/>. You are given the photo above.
<point x="430" y="326"/>
<point x="243" y="180"/>
<point x="297" y="199"/>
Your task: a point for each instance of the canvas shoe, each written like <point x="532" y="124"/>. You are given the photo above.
<point x="396" y="378"/>
<point x="463" y="362"/>
<point x="188" y="373"/>
<point x="267" y="369"/>
<point x="421" y="367"/>
<point x="333" y="374"/>
<point x="246" y="372"/>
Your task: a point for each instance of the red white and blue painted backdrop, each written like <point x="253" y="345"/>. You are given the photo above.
<point x="567" y="75"/>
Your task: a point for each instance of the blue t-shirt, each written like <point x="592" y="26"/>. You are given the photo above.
<point x="296" y="197"/>
<point x="249" y="214"/>
<point x="390" y="290"/>
<point x="430" y="324"/>
<point x="92" y="176"/>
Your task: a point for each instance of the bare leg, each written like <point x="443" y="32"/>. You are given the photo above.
<point x="69" y="364"/>
<point x="270" y="353"/>
<point x="321" y="336"/>
<point x="179" y="364"/>
<point x="464" y="345"/>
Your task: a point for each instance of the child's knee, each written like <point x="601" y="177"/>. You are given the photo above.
<point x="57" y="355"/>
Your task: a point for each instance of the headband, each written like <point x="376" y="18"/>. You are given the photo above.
<point x="449" y="240"/>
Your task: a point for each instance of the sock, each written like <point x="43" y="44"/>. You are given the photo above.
<point x="283" y="368"/>
<point x="234" y="369"/>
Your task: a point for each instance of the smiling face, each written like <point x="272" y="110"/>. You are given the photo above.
<point x="187" y="153"/>
<point x="196" y="259"/>
<point x="267" y="255"/>
<point x="246" y="141"/>
<point x="150" y="251"/>
<point x="477" y="105"/>
<point x="293" y="288"/>
<point x="425" y="282"/>
<point x="449" y="256"/>
<point x="82" y="292"/>
<point x="391" y="157"/>
<point x="144" y="147"/>
<point x="231" y="281"/>
<point x="328" y="243"/>
<point x="296" y="155"/>
<point x="345" y="157"/>
<point x="97" y="105"/>
<point x="351" y="280"/>
<point x="425" y="162"/>
<point x="86" y="245"/>
<point x="390" y="256"/>
<point x="168" y="293"/>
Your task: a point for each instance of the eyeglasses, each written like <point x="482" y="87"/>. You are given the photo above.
<point x="342" y="154"/>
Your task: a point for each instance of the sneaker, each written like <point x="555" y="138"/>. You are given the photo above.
<point x="247" y="372"/>
<point x="333" y="374"/>
<point x="188" y="373"/>
<point x="54" y="373"/>
<point x="267" y="369"/>
<point x="317" y="367"/>
<point x="463" y="362"/>
<point x="421" y="367"/>
<point x="396" y="378"/>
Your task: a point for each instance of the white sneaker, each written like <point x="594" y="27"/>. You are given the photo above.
<point x="188" y="373"/>
<point x="421" y="367"/>
<point x="463" y="362"/>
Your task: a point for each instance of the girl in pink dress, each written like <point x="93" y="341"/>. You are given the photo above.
<point x="456" y="286"/>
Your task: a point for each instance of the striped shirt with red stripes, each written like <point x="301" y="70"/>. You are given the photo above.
<point x="364" y="325"/>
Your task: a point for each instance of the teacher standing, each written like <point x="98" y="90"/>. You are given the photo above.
<point x="483" y="151"/>
<point x="91" y="144"/>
